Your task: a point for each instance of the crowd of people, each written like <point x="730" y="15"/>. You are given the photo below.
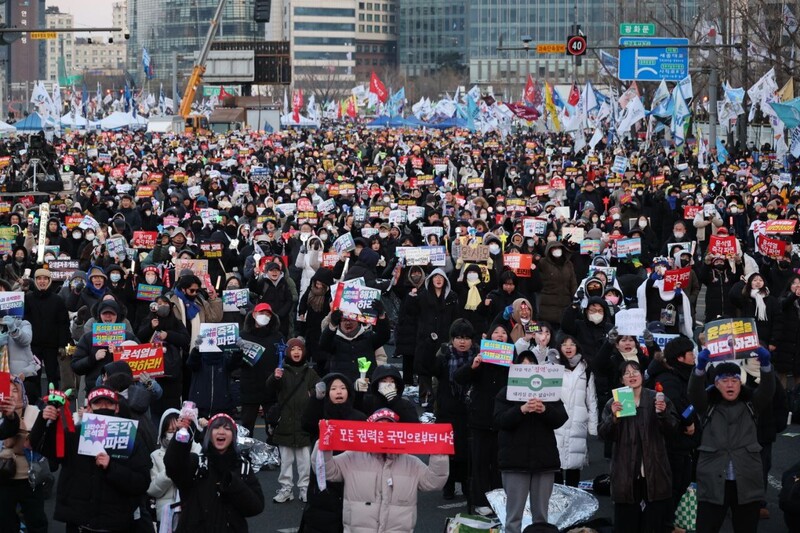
<point x="466" y="237"/>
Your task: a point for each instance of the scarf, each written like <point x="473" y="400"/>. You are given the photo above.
<point x="316" y="298"/>
<point x="454" y="362"/>
<point x="191" y="307"/>
<point x="99" y="293"/>
<point x="473" y="296"/>
<point x="633" y="355"/>
<point x="573" y="361"/>
<point x="761" y="307"/>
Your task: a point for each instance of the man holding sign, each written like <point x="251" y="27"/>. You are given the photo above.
<point x="119" y="483"/>
<point x="95" y="349"/>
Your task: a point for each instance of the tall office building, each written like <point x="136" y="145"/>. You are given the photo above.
<point x="119" y="19"/>
<point x="61" y="50"/>
<point x="432" y="34"/>
<point x="165" y="27"/>
<point x="376" y="37"/>
<point x="26" y="56"/>
<point x="323" y="44"/>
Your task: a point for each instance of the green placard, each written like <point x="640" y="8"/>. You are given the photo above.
<point x="636" y="29"/>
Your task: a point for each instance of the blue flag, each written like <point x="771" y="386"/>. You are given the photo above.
<point x="722" y="152"/>
<point x="788" y="112"/>
<point x="147" y="64"/>
<point x="85" y="100"/>
<point x="127" y="97"/>
<point x="396" y="102"/>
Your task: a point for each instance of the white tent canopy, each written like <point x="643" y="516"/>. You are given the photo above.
<point x="75" y="121"/>
<point x="305" y="122"/>
<point x="5" y="127"/>
<point x="119" y="120"/>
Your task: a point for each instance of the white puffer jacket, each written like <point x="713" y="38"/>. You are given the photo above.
<point x="380" y="491"/>
<point x="580" y="401"/>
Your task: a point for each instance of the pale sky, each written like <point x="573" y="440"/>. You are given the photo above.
<point x="87" y="13"/>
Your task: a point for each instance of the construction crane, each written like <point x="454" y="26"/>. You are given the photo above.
<point x="196" y="122"/>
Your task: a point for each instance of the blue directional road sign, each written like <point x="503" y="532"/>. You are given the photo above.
<point x="669" y="63"/>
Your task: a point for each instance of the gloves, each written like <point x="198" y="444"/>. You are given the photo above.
<point x="377" y="306"/>
<point x="320" y="390"/>
<point x="579" y="295"/>
<point x="388" y="389"/>
<point x="145" y="379"/>
<point x="336" y="318"/>
<point x="198" y="342"/>
<point x="703" y="358"/>
<point x="678" y="291"/>
<point x="83" y="315"/>
<point x="763" y="356"/>
<point x="613" y="335"/>
<point x="507" y="312"/>
<point x="648" y="336"/>
<point x="361" y="385"/>
<point x="12" y="323"/>
<point x="654" y="276"/>
<point x="3" y="339"/>
<point x="303" y="249"/>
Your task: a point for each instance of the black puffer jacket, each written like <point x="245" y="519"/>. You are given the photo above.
<point x="484" y="383"/>
<point x="345" y="351"/>
<point x="527" y="442"/>
<point x="675" y="382"/>
<point x="590" y="336"/>
<point x="434" y="315"/>
<point x="176" y="343"/>
<point x="786" y="358"/>
<point x="86" y="495"/>
<point x="365" y="267"/>
<point x="374" y="400"/>
<point x="254" y="378"/>
<point x="47" y="313"/>
<point x="217" y="498"/>
<point x="745" y="307"/>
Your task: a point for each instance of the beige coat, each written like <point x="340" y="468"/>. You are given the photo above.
<point x="380" y="491"/>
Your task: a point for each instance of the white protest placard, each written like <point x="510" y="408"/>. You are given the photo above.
<point x="540" y="382"/>
<point x="345" y="243"/>
<point x="107" y="434"/>
<point x="561" y="212"/>
<point x="620" y="164"/>
<point x="630" y="322"/>
<point x="532" y="227"/>
<point x="415" y="212"/>
<point x="327" y="206"/>
<point x="217" y="337"/>
<point x="233" y="300"/>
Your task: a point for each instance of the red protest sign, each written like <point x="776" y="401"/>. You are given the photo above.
<point x="142" y="358"/>
<point x="558" y="184"/>
<point x="144" y="239"/>
<point x="771" y="247"/>
<point x="677" y="278"/>
<point x="5" y="385"/>
<point x="378" y="437"/>
<point x="329" y="260"/>
<point x="724" y="246"/>
<point x="780" y="227"/>
<point x="73" y="221"/>
<point x="520" y="264"/>
<point x="689" y="211"/>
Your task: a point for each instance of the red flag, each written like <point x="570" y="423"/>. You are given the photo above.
<point x="574" y="95"/>
<point x="351" y="107"/>
<point x="377" y="87"/>
<point x="530" y="91"/>
<point x="523" y="112"/>
<point x="224" y="94"/>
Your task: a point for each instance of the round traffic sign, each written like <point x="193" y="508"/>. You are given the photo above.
<point x="576" y="45"/>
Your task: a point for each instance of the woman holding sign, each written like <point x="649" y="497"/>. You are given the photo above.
<point x="752" y="299"/>
<point x="528" y="455"/>
<point x="636" y="420"/>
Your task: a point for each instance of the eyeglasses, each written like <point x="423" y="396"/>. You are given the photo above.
<point x="568" y="344"/>
<point x="632" y="373"/>
<point x="190" y="291"/>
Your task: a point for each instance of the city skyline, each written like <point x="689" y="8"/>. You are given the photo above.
<point x="87" y="13"/>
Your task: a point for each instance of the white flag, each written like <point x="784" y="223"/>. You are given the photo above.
<point x="634" y="112"/>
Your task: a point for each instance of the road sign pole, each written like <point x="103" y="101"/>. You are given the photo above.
<point x="713" y="83"/>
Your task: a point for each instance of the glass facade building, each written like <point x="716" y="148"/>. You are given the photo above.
<point x="167" y="26"/>
<point x="432" y="33"/>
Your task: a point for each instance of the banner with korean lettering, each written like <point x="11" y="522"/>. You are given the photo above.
<point x="677" y="278"/>
<point x="108" y="334"/>
<point x="142" y="358"/>
<point x="379" y="437"/>
<point x="218" y="337"/>
<point x="731" y="338"/>
<point x="107" y="434"/>
<point x="12" y="303"/>
<point x="722" y="246"/>
<point x="540" y="382"/>
<point x="780" y="227"/>
<point x="358" y="303"/>
<point x="144" y="240"/>
<point x="771" y="247"/>
<point x="519" y="264"/>
<point x="233" y="300"/>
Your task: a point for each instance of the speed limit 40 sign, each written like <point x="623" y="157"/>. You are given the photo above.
<point x="576" y="45"/>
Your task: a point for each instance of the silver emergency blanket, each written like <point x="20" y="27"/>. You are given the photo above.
<point x="568" y="506"/>
<point x="261" y="454"/>
<point x="427" y="418"/>
<point x="411" y="393"/>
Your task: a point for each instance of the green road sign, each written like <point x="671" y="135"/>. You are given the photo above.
<point x="636" y="28"/>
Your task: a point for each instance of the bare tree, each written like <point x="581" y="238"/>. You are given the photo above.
<point x="327" y="85"/>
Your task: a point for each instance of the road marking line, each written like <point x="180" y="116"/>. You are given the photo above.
<point x="453" y="505"/>
<point x="775" y="482"/>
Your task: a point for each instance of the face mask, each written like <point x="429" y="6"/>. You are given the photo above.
<point x="642" y="223"/>
<point x="612" y="299"/>
<point x="76" y="234"/>
<point x="304" y="237"/>
<point x="762" y="216"/>
<point x="519" y="192"/>
<point x="557" y="253"/>
<point x="115" y="276"/>
<point x="595" y="220"/>
<point x="679" y="234"/>
<point x="106" y="412"/>
<point x="595" y="318"/>
<point x="262" y="320"/>
<point x="472" y="276"/>
<point x="734" y="210"/>
<point x="168" y="436"/>
<point x="615" y="216"/>
<point x="530" y="242"/>
<point x="323" y="236"/>
<point x="383" y="235"/>
<point x="150" y="278"/>
<point x="90" y="236"/>
<point x="494" y="248"/>
<point x="162" y="311"/>
<point x="19" y="260"/>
